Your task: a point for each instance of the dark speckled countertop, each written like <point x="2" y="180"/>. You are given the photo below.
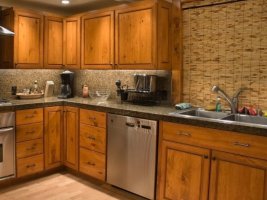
<point x="147" y="112"/>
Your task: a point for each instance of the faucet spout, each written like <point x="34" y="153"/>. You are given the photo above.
<point x="233" y="102"/>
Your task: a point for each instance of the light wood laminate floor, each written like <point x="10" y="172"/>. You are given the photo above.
<point x="64" y="186"/>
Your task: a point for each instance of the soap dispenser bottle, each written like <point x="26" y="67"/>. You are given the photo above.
<point x="218" y="107"/>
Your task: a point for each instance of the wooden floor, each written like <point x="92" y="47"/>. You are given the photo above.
<point x="63" y="186"/>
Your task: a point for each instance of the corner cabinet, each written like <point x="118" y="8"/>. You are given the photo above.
<point x="98" y="40"/>
<point x="203" y="163"/>
<point x="71" y="128"/>
<point x="142" y="36"/>
<point x="72" y="43"/>
<point x="25" y="49"/>
<point x="53" y="136"/>
<point x="53" y="42"/>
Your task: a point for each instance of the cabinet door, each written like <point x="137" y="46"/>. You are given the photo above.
<point x="7" y="43"/>
<point x="184" y="172"/>
<point x="235" y="177"/>
<point x="71" y="115"/>
<point x="136" y="37"/>
<point x="28" y="45"/>
<point x="72" y="43"/>
<point x="164" y="35"/>
<point x="53" y="136"/>
<point x="98" y="40"/>
<point x="53" y="42"/>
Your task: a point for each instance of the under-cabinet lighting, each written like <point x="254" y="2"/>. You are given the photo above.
<point x="65" y="2"/>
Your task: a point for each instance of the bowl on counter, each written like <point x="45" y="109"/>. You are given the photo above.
<point x="99" y="94"/>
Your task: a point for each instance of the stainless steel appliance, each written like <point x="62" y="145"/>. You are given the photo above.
<point x="7" y="145"/>
<point x="145" y="83"/>
<point x="131" y="156"/>
<point x="5" y="31"/>
<point x="5" y="102"/>
<point x="67" y="85"/>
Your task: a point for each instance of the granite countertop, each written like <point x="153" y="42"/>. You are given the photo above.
<point x="161" y="112"/>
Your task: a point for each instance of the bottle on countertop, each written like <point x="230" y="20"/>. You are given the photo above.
<point x="35" y="87"/>
<point x="218" y="107"/>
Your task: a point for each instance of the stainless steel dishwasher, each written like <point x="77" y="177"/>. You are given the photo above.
<point x="131" y="154"/>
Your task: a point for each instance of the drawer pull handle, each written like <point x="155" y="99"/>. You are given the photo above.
<point x="241" y="144"/>
<point x="129" y="124"/>
<point x="29" y="166"/>
<point x="30" y="132"/>
<point x="91" y="138"/>
<point x="92" y="118"/>
<point x="183" y="133"/>
<point x="30" y="149"/>
<point x="89" y="163"/>
<point x="29" y="116"/>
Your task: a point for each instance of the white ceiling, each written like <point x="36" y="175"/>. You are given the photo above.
<point x="55" y="6"/>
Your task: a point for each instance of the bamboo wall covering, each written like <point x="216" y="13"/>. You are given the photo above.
<point x="225" y="45"/>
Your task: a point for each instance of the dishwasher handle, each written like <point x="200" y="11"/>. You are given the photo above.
<point x="129" y="124"/>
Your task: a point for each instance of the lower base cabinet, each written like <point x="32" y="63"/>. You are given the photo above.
<point x="30" y="165"/>
<point x="191" y="172"/>
<point x="92" y="163"/>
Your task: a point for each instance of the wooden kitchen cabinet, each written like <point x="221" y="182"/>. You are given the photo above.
<point x="71" y="128"/>
<point x="72" y="43"/>
<point x="237" y="177"/>
<point x="53" y="42"/>
<point x="25" y="49"/>
<point x="237" y="165"/>
<point x="92" y="146"/>
<point x="53" y="138"/>
<point x="142" y="36"/>
<point x="29" y="141"/>
<point x="98" y="40"/>
<point x="184" y="172"/>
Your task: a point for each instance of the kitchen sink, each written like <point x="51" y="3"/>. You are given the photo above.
<point x="247" y="119"/>
<point x="205" y="114"/>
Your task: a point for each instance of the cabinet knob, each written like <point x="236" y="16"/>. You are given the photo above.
<point x="206" y="157"/>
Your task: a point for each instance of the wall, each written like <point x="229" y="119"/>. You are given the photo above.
<point x="225" y="45"/>
<point x="93" y="78"/>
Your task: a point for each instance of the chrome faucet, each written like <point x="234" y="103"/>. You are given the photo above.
<point x="233" y="102"/>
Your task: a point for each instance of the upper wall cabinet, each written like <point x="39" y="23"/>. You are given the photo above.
<point x="139" y="33"/>
<point x="25" y="49"/>
<point x="72" y="43"/>
<point x="142" y="34"/>
<point x="98" y="40"/>
<point x="53" y="42"/>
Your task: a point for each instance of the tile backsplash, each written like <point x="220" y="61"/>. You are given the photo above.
<point x="93" y="78"/>
<point x="225" y="44"/>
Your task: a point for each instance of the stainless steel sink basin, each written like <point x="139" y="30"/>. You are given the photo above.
<point x="247" y="119"/>
<point x="204" y="113"/>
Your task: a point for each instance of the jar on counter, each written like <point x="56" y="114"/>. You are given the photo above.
<point x="85" y="91"/>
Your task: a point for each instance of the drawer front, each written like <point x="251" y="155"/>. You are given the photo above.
<point x="233" y="142"/>
<point x="29" y="148"/>
<point x="93" y="118"/>
<point x="29" y="132"/>
<point x="29" y="116"/>
<point x="30" y="165"/>
<point x="93" y="164"/>
<point x="93" y="138"/>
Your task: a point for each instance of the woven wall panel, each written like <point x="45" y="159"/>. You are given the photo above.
<point x="225" y="45"/>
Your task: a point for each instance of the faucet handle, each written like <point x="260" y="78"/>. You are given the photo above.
<point x="239" y="91"/>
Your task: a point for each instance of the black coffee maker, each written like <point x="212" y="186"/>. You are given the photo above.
<point x="67" y="85"/>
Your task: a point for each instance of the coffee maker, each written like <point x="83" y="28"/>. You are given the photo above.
<point x="67" y="85"/>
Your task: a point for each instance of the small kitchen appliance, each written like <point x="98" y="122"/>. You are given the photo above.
<point x="49" y="89"/>
<point x="145" y="83"/>
<point x="67" y="85"/>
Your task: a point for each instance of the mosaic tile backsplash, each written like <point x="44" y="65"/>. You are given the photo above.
<point x="225" y="45"/>
<point x="93" y="78"/>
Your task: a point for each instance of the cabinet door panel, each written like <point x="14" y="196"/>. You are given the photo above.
<point x="184" y="172"/>
<point x="98" y="40"/>
<point x="71" y="137"/>
<point x="135" y="38"/>
<point x="236" y="177"/>
<point x="28" y="40"/>
<point x="53" y="49"/>
<point x="72" y="54"/>
<point x="53" y="136"/>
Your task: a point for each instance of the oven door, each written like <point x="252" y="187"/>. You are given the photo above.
<point x="7" y="153"/>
